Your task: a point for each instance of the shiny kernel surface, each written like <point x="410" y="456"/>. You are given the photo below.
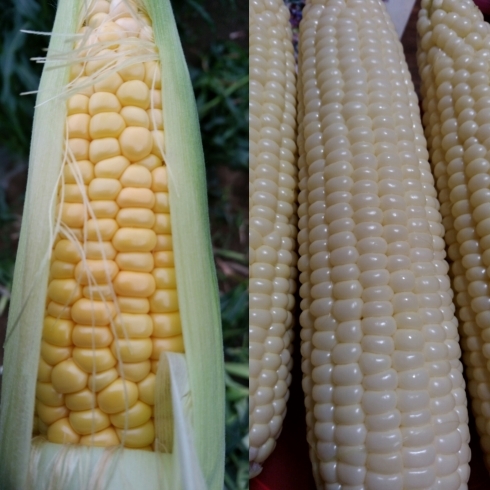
<point x="381" y="374"/>
<point x="103" y="298"/>
<point x="273" y="227"/>
<point x="455" y="102"/>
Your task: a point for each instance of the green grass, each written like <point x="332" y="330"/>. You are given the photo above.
<point x="220" y="77"/>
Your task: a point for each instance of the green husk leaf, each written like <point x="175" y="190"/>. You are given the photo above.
<point x="196" y="276"/>
<point x="27" y="304"/>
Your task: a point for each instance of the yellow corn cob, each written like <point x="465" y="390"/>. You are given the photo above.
<point x="112" y="316"/>
<point x="384" y="390"/>
<point x="453" y="62"/>
<point x="112" y="303"/>
<point x="272" y="229"/>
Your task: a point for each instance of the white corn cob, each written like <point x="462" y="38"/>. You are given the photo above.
<point x="382" y="378"/>
<point x="272" y="222"/>
<point x="454" y="65"/>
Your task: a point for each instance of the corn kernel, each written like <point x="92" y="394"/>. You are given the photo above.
<point x="67" y="377"/>
<point x="134" y="371"/>
<point x="166" y="324"/>
<point x="61" y="432"/>
<point x="125" y="240"/>
<point x="104" y="438"/>
<point x="103" y="102"/>
<point x="93" y="360"/>
<point x="82" y="400"/>
<point x="99" y="381"/>
<point x="134" y="93"/>
<point x="138" y="262"/>
<point x="133" y="326"/>
<point x="88" y="312"/>
<point x="135" y="116"/>
<point x="57" y="331"/>
<point x="91" y="337"/>
<point x="137" y="415"/>
<point x="104" y="148"/>
<point x="136" y="143"/>
<point x="146" y="389"/>
<point x="87" y="421"/>
<point x="118" y="396"/>
<point x="106" y="125"/>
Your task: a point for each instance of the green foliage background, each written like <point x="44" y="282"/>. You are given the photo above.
<point x="214" y="35"/>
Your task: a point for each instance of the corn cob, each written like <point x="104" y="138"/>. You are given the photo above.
<point x="453" y="62"/>
<point x="382" y="378"/>
<point x="123" y="241"/>
<point x="272" y="229"/>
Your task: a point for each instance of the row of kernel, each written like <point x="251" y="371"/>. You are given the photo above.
<point x="307" y="56"/>
<point x="474" y="270"/>
<point x="452" y="422"/>
<point x="316" y="289"/>
<point x="271" y="234"/>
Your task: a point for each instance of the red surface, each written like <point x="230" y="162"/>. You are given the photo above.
<point x="483" y="5"/>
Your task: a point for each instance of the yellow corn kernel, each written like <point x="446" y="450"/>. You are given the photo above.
<point x="57" y="331"/>
<point x="88" y="312"/>
<point x="135" y="116"/>
<point x="46" y="394"/>
<point x="136" y="197"/>
<point x="134" y="93"/>
<point x="136" y="217"/>
<point x="100" y="271"/>
<point x="87" y="421"/>
<point x="77" y="104"/>
<point x="104" y="209"/>
<point x="106" y="125"/>
<point x="125" y="240"/>
<point x="82" y="400"/>
<point x="103" y="438"/>
<point x="95" y="250"/>
<point x="118" y="396"/>
<point x="133" y="326"/>
<point x="146" y="391"/>
<point x="48" y="415"/>
<point x="170" y="344"/>
<point x="104" y="148"/>
<point x="136" y="143"/>
<point x="100" y="229"/>
<point x="44" y="371"/>
<point x="138" y="262"/>
<point x="135" y="284"/>
<point x="112" y="168"/>
<point x="99" y="381"/>
<point x="78" y="126"/>
<point x="132" y="350"/>
<point x="52" y="354"/>
<point x="62" y="432"/>
<point x="109" y="84"/>
<point x="136" y="176"/>
<point x="137" y="437"/>
<point x="164" y="301"/>
<point x="82" y="169"/>
<point x="137" y="415"/>
<point x="150" y="162"/>
<point x="67" y="377"/>
<point x="134" y="371"/>
<point x="133" y="305"/>
<point x="101" y="189"/>
<point x="92" y="336"/>
<point x="103" y="102"/>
